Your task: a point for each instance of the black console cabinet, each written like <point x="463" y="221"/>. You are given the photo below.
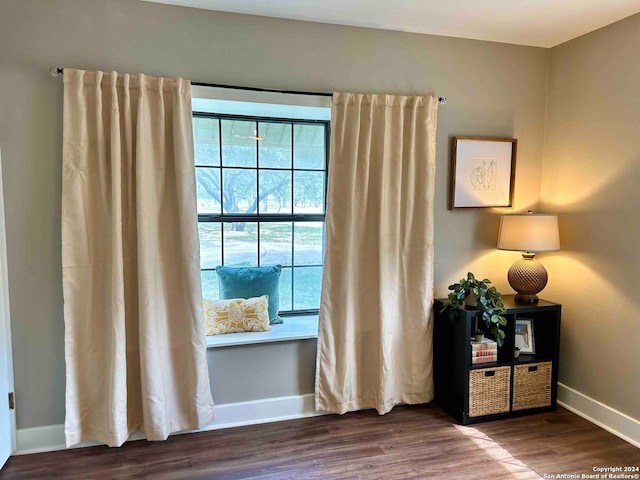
<point x="507" y="387"/>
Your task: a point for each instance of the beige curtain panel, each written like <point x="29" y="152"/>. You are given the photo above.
<point x="374" y="344"/>
<point x="134" y="331"/>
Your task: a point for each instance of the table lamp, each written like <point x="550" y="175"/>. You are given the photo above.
<point x="528" y="233"/>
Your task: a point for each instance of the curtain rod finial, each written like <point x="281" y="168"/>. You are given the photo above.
<point x="55" y="71"/>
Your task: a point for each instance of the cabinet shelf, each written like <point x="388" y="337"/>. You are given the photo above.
<point x="524" y="359"/>
<point x="479" y="366"/>
<point x="510" y="386"/>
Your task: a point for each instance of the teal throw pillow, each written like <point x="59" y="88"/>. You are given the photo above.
<point x="249" y="282"/>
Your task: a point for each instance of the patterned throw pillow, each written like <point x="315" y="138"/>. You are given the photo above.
<point x="237" y="315"/>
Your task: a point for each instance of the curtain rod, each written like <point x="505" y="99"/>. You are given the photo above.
<point x="59" y="71"/>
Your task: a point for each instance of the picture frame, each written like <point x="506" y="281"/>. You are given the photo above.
<point x="482" y="172"/>
<point x="524" y="336"/>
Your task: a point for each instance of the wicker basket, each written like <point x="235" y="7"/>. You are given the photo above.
<point x="489" y="391"/>
<point x="532" y="386"/>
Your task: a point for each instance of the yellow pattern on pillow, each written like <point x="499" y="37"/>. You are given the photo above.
<point x="237" y="315"/>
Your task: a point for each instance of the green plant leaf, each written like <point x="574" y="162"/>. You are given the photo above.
<point x="489" y="303"/>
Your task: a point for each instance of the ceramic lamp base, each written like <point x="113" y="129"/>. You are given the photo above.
<point x="527" y="277"/>
<point x="528" y="299"/>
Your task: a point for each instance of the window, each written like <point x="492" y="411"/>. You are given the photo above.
<point x="261" y="185"/>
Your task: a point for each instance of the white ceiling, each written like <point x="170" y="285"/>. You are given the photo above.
<point x="541" y="23"/>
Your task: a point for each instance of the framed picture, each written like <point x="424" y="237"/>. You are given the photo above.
<point x="525" y="340"/>
<point x="482" y="172"/>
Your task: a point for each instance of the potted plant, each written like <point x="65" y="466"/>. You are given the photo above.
<point x="487" y="299"/>
<point x="479" y="335"/>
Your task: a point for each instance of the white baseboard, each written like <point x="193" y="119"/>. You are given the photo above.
<point x="51" y="437"/>
<point x="613" y="421"/>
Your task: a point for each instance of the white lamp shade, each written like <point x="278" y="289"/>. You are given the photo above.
<point x="529" y="232"/>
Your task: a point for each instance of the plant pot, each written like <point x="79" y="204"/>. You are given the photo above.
<point x="471" y="301"/>
<point x="478" y="337"/>
<point x="516" y="353"/>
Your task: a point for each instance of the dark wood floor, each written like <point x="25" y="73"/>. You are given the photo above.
<point x="411" y="442"/>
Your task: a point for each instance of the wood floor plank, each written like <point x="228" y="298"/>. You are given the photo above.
<point x="411" y="442"/>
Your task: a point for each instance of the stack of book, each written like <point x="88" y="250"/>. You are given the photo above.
<point x="485" y="351"/>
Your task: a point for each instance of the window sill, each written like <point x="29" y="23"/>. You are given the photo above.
<point x="294" y="328"/>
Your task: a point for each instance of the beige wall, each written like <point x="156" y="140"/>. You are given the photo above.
<point x="493" y="89"/>
<point x="590" y="176"/>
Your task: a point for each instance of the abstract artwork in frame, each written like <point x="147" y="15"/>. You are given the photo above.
<point x="482" y="172"/>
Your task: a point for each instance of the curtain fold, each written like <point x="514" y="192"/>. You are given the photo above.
<point x="374" y="342"/>
<point x="134" y="332"/>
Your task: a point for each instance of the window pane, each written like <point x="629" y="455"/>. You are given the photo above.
<point x="274" y="148"/>
<point x="240" y="244"/>
<point x="210" y="289"/>
<point x="275" y="243"/>
<point x="208" y="189"/>
<point x="285" y="290"/>
<point x="210" y="244"/>
<point x="239" y="190"/>
<point x="259" y="168"/>
<point x="308" y="192"/>
<point x="307" y="248"/>
<point x="275" y="191"/>
<point x="206" y="136"/>
<point x="306" y="287"/>
<point x="239" y="143"/>
<point x="309" y="144"/>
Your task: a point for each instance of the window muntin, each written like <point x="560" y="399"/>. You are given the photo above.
<point x="261" y="185"/>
